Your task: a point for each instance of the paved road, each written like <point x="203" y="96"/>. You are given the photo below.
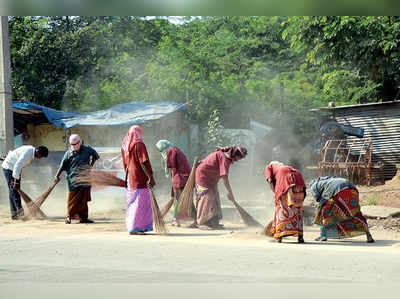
<point x="59" y="260"/>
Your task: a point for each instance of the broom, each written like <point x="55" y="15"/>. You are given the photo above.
<point x="267" y="229"/>
<point x="159" y="225"/>
<point x="167" y="206"/>
<point x="185" y="206"/>
<point x="33" y="208"/>
<point x="40" y="200"/>
<point x="246" y="217"/>
<point x="104" y="178"/>
<point x="97" y="178"/>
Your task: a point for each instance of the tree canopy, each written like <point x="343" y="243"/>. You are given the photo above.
<point x="270" y="69"/>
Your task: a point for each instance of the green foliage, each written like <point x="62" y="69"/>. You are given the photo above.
<point x="228" y="69"/>
<point x="368" y="45"/>
<point x="370" y="200"/>
<point x="214" y="137"/>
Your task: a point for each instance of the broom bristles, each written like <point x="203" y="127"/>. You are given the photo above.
<point x="34" y="210"/>
<point x="267" y="229"/>
<point x="246" y="217"/>
<point x="97" y="178"/>
<point x="185" y="206"/>
<point x="158" y="221"/>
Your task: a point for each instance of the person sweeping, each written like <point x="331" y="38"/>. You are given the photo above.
<point x="76" y="160"/>
<point x="289" y="189"/>
<point x="177" y="168"/>
<point x="12" y="168"/>
<point x="139" y="180"/>
<point x="215" y="166"/>
<point x="339" y="213"/>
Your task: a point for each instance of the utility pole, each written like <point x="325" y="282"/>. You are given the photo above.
<point x="6" y="109"/>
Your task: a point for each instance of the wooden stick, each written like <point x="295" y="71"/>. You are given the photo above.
<point x="40" y="200"/>
<point x="247" y="219"/>
<point x="167" y="206"/>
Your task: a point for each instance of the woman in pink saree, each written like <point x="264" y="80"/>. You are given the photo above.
<point x="139" y="217"/>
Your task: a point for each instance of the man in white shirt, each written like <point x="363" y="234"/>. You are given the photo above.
<point x="12" y="168"/>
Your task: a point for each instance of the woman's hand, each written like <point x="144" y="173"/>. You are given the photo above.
<point x="150" y="182"/>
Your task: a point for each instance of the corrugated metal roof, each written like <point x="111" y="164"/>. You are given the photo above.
<point x="381" y="123"/>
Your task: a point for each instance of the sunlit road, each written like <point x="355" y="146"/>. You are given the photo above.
<point x="29" y="261"/>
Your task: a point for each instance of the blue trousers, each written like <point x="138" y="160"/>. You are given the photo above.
<point x="14" y="197"/>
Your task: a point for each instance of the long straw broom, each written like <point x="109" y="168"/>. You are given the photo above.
<point x="185" y="206"/>
<point x="246" y="217"/>
<point x="104" y="178"/>
<point x="158" y="221"/>
<point x="34" y="210"/>
<point x="40" y="200"/>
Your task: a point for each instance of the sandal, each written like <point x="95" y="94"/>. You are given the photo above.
<point x="323" y="239"/>
<point x="193" y="225"/>
<point x="205" y="227"/>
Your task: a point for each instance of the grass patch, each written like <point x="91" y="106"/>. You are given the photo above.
<point x="370" y="200"/>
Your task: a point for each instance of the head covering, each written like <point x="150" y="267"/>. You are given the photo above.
<point x="232" y="151"/>
<point x="75" y="142"/>
<point x="133" y="136"/>
<point x="163" y="145"/>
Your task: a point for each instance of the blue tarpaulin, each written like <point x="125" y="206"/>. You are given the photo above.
<point x="118" y="115"/>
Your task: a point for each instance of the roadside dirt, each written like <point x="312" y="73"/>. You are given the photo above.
<point x="383" y="195"/>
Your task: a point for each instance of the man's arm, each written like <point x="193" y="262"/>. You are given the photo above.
<point x="95" y="157"/>
<point x="57" y="177"/>
<point x="61" y="168"/>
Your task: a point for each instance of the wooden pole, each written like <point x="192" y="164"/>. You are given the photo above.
<point x="6" y="109"/>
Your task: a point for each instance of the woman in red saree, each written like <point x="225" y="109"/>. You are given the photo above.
<point x="177" y="168"/>
<point x="289" y="191"/>
<point x="210" y="170"/>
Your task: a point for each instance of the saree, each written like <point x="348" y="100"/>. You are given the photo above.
<point x="77" y="206"/>
<point x="340" y="217"/>
<point x="139" y="216"/>
<point x="288" y="217"/>
<point x="208" y="206"/>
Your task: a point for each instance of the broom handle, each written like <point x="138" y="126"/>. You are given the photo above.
<point x="167" y="206"/>
<point x="43" y="197"/>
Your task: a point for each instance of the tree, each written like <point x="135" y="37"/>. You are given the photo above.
<point x="365" y="46"/>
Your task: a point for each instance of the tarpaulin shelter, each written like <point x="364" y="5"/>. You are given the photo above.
<point x="118" y="115"/>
